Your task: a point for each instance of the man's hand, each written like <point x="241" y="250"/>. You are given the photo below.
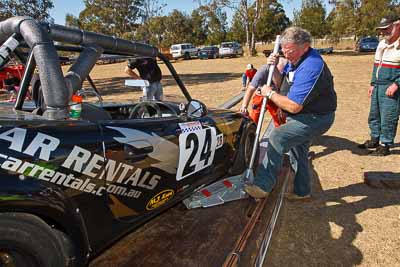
<point x="273" y="59"/>
<point x="265" y="90"/>
<point x="391" y="90"/>
<point x="243" y="110"/>
<point x="371" y="88"/>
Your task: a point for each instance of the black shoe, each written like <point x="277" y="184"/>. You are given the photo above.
<point x="369" y="144"/>
<point x="381" y="151"/>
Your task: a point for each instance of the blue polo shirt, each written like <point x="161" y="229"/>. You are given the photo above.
<point x="310" y="83"/>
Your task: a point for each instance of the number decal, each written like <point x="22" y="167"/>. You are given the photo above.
<point x="196" y="151"/>
<point x="206" y="151"/>
<point x="192" y="138"/>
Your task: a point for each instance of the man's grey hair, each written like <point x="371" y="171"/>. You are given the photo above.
<point x="295" y="35"/>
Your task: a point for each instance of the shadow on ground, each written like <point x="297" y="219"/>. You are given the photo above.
<point x="322" y="232"/>
<point x="333" y="144"/>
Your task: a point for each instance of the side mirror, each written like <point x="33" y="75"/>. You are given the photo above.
<point x="137" y="83"/>
<point x="196" y="109"/>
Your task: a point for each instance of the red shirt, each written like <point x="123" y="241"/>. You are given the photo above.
<point x="250" y="73"/>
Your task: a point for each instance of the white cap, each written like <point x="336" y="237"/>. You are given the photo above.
<point x="249" y="66"/>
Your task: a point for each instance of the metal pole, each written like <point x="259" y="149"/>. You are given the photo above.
<point x="271" y="69"/>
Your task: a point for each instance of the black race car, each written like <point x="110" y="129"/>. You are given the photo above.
<point x="69" y="187"/>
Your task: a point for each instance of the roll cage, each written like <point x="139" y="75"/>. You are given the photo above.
<point x="34" y="44"/>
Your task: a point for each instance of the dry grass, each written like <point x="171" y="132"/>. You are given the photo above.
<point x="347" y="223"/>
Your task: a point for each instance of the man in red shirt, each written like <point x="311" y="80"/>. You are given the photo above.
<point x="248" y="75"/>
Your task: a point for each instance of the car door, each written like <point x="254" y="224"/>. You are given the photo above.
<point x="140" y="171"/>
<point x="150" y="162"/>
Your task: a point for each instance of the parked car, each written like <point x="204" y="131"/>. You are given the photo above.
<point x="230" y="49"/>
<point x="71" y="184"/>
<point x="367" y="44"/>
<point x="209" y="52"/>
<point x="186" y="51"/>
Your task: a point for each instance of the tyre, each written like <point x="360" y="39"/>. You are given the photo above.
<point x="243" y="157"/>
<point x="27" y="241"/>
<point x="186" y="56"/>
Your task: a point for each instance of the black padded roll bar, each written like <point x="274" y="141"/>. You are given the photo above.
<point x="46" y="58"/>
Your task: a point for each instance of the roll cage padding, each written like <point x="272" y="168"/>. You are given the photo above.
<point x="40" y="38"/>
<point x="46" y="59"/>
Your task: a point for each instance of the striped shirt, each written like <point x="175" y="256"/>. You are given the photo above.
<point x="387" y="63"/>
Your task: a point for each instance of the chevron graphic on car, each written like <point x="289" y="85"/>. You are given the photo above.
<point x="164" y="151"/>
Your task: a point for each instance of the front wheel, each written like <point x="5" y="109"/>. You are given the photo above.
<point x="27" y="241"/>
<point x="245" y="150"/>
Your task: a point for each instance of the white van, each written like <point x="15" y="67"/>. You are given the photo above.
<point x="186" y="51"/>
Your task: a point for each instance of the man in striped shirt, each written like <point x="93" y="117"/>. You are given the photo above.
<point x="384" y="89"/>
<point x="308" y="97"/>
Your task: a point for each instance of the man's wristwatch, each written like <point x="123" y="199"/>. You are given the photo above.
<point x="269" y="94"/>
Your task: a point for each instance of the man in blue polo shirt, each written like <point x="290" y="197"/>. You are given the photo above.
<point x="308" y="97"/>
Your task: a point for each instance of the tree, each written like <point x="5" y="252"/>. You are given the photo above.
<point x="112" y="17"/>
<point x="152" y="8"/>
<point x="312" y="18"/>
<point x="250" y="12"/>
<point x="153" y="31"/>
<point x="343" y="23"/>
<point x="72" y="21"/>
<point x="237" y="31"/>
<point x="178" y="28"/>
<point x="37" y="9"/>
<point x="199" y="26"/>
<point x="359" y="18"/>
<point x="273" y="21"/>
<point x="369" y="14"/>
<point x="148" y="30"/>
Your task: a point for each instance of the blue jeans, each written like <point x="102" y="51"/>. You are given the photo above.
<point x="244" y="80"/>
<point x="153" y="91"/>
<point x="383" y="114"/>
<point x="295" y="137"/>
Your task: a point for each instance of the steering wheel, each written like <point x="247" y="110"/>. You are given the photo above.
<point x="145" y="110"/>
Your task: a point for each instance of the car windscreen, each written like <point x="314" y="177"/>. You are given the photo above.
<point x="109" y="79"/>
<point x="370" y="39"/>
<point x="228" y="45"/>
<point x="175" y="47"/>
<point x="207" y="48"/>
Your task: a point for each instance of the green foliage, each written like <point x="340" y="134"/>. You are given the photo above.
<point x="368" y="16"/>
<point x="113" y="17"/>
<point x="216" y="27"/>
<point x="153" y="31"/>
<point x="359" y="18"/>
<point x="178" y="28"/>
<point x="72" y="21"/>
<point x="273" y="21"/>
<point x="199" y="24"/>
<point x="312" y="18"/>
<point x="237" y="31"/>
<point x="37" y="9"/>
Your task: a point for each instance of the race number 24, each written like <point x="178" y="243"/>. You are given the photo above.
<point x="196" y="151"/>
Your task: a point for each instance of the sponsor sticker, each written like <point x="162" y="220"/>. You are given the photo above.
<point x="160" y="199"/>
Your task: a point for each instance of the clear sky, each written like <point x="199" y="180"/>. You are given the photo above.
<point x="74" y="7"/>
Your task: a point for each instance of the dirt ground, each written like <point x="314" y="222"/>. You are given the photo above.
<point x="347" y="223"/>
